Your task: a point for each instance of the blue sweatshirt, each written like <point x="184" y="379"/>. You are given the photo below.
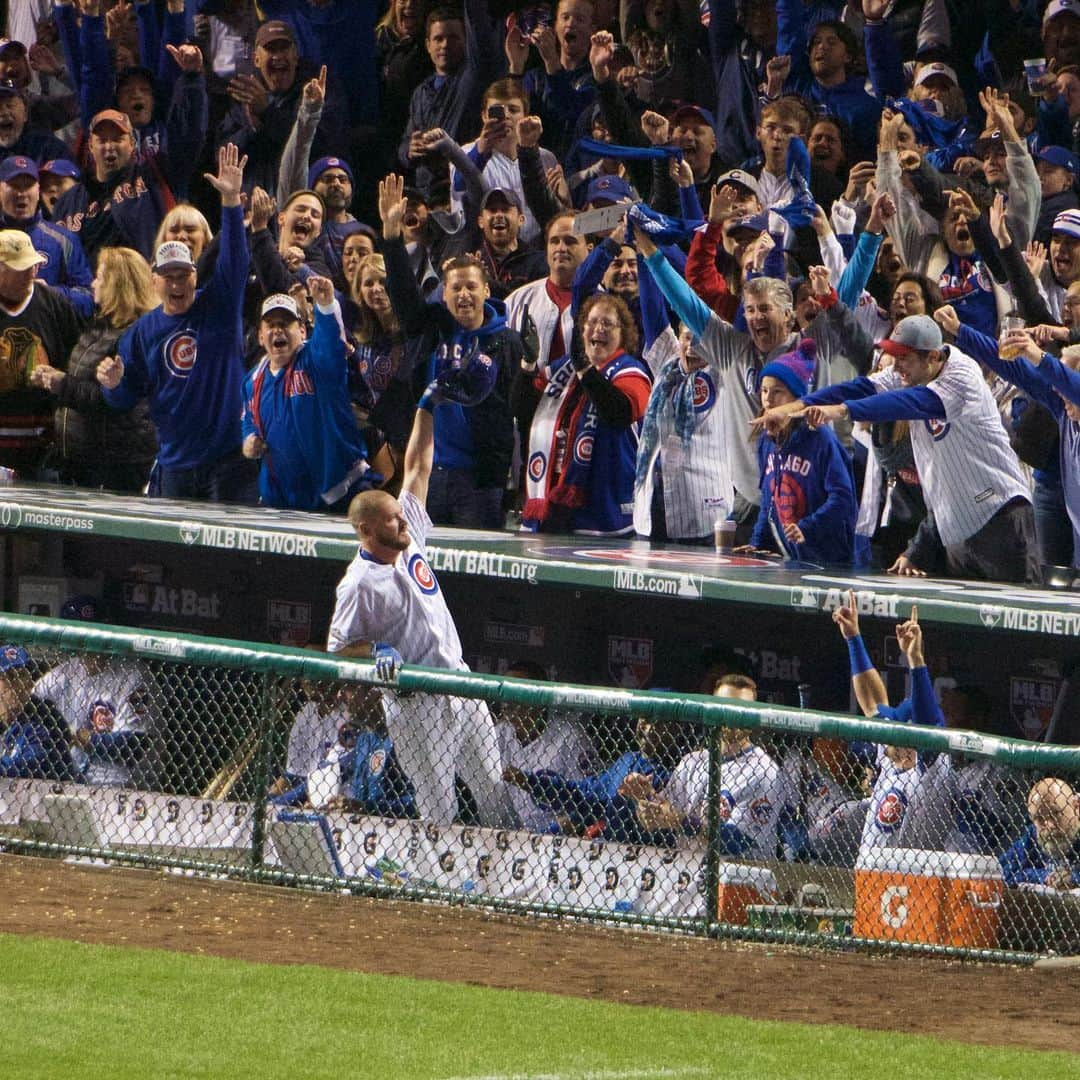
<point x="65" y="268"/>
<point x="807" y="480"/>
<point x="190" y="366"/>
<point x="302" y="413"/>
<point x="1027" y="862"/>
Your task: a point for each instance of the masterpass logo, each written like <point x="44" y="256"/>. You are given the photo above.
<point x="10" y="515"/>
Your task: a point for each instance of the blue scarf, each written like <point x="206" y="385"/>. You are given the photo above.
<point x="801" y="208"/>
<point x="674" y="385"/>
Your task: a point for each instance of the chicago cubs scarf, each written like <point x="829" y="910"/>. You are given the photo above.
<point x="673" y="385"/>
<point x="627" y="153"/>
<point x="564" y="407"/>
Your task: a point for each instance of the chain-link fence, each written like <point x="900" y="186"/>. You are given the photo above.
<point x="710" y="815"/>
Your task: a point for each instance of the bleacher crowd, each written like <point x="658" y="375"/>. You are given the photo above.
<point x="810" y="267"/>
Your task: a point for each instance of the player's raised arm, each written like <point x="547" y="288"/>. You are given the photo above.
<point x="420" y="452"/>
<point x="868" y="685"/>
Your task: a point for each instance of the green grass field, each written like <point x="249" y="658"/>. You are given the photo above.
<point x="73" y="1010"/>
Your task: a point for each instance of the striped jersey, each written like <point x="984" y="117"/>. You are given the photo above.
<point x="400" y="603"/>
<point x="967" y="467"/>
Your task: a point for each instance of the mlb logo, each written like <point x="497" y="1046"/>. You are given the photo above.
<point x="1031" y="704"/>
<point x="630" y="661"/>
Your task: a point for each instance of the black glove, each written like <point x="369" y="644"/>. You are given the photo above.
<point x="530" y="339"/>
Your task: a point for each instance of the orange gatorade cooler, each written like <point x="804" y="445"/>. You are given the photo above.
<point x="928" y="897"/>
<point x="740" y="885"/>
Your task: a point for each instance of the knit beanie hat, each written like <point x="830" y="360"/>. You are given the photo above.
<point x="795" y="369"/>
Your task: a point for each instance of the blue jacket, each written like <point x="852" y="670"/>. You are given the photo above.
<point x="807" y="481"/>
<point x="848" y="100"/>
<point x="190" y="366"/>
<point x="65" y="267"/>
<point x="302" y="413"/>
<point x="35" y="745"/>
<point x="1026" y="862"/>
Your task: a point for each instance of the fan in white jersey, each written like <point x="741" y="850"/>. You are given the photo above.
<point x="900" y="769"/>
<point x="976" y="493"/>
<point x="531" y="741"/>
<point x="751" y="789"/>
<point x="391" y="608"/>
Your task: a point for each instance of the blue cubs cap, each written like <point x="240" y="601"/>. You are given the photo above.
<point x="11" y="657"/>
<point x="610" y="188"/>
<point x="82" y="607"/>
<point x="795" y="369"/>
<point x="325" y="163"/>
<point x="1058" y="155"/>
<point x="693" y="113"/>
<point x="470" y="382"/>
<point x="61" y="167"/>
<point x="758" y="223"/>
<point x="17" y="165"/>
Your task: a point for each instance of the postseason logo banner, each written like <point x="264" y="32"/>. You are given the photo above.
<point x="590" y="875"/>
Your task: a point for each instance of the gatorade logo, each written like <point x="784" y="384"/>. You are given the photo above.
<point x="180" y="352"/>
<point x="421" y="573"/>
<point x="704" y="392"/>
<point x="894" y="909"/>
<point x="537" y="466"/>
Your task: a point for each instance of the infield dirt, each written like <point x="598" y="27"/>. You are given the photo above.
<point x="967" y="1002"/>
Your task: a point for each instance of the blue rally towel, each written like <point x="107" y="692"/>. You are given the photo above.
<point x="800" y="210"/>
<point x="662" y="229"/>
<point x="627" y="153"/>
<point x="949" y="138"/>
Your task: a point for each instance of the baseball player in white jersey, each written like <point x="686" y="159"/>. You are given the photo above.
<point x="751" y="789"/>
<point x="105" y="704"/>
<point x="972" y="481"/>
<point x="390" y="607"/>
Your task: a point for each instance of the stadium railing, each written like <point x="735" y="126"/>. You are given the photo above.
<point x="738" y="819"/>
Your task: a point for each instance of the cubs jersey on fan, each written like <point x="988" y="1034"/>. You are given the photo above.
<point x="967" y="467"/>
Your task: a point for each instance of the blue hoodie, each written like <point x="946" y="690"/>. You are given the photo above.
<point x="807" y="480"/>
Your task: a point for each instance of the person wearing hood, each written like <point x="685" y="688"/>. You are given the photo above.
<point x="808" y="503"/>
<point x="473" y="446"/>
<point x="822" y="71"/>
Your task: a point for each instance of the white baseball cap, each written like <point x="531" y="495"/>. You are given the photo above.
<point x="1061" y="7"/>
<point x="928" y="71"/>
<point x="280" y="302"/>
<point x="172" y="254"/>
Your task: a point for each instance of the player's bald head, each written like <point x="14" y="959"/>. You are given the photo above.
<point x="368" y="506"/>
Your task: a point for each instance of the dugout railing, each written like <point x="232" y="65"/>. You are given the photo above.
<point x="697" y="814"/>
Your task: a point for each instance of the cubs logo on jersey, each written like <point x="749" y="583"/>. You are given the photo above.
<point x="421" y="573"/>
<point x="583" y="449"/>
<point x="889" y="815"/>
<point x="938" y="428"/>
<point x="102" y="717"/>
<point x="180" y="352"/>
<point x="760" y="810"/>
<point x="537" y="466"/>
<point x="725" y="805"/>
<point x="704" y="392"/>
<point x="377" y="762"/>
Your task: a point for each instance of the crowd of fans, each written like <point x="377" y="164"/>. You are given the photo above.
<point x="808" y="266"/>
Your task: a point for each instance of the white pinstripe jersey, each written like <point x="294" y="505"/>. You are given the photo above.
<point x="967" y="467"/>
<point x="697" y="480"/>
<point x="894" y="790"/>
<point x="544" y="312"/>
<point x="751" y="794"/>
<point x="400" y="603"/>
